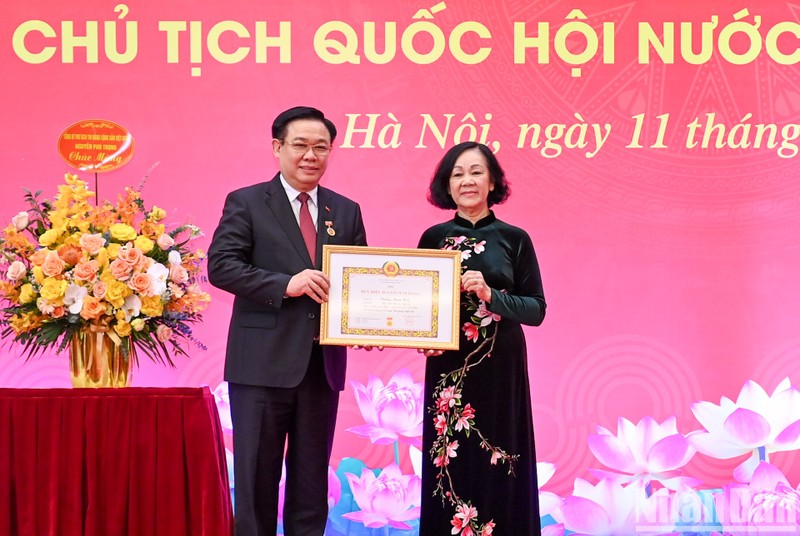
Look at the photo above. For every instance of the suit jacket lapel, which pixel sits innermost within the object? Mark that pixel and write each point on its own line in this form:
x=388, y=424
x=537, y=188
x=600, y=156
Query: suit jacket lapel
x=325, y=221
x=279, y=204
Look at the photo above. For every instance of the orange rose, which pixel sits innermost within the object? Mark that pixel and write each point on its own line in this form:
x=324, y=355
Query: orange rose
x=140, y=282
x=92, y=243
x=163, y=333
x=37, y=259
x=120, y=269
x=178, y=274
x=70, y=254
x=53, y=265
x=86, y=271
x=93, y=308
x=131, y=256
x=99, y=289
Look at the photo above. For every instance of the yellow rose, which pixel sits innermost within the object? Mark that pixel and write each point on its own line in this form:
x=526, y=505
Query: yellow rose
x=117, y=292
x=143, y=243
x=113, y=250
x=49, y=237
x=26, y=293
x=157, y=214
x=152, y=306
x=123, y=328
x=137, y=324
x=102, y=256
x=53, y=289
x=38, y=274
x=122, y=232
x=107, y=277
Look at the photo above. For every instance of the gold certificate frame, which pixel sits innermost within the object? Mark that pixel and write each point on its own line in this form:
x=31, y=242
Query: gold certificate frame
x=394, y=297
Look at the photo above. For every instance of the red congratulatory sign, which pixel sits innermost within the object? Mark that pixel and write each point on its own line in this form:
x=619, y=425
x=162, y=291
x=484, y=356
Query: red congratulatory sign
x=96, y=145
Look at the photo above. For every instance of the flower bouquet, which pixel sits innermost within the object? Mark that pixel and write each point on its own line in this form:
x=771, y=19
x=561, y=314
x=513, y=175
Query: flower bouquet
x=69, y=268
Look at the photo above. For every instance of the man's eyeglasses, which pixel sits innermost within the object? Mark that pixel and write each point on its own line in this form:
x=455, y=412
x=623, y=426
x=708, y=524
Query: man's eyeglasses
x=302, y=148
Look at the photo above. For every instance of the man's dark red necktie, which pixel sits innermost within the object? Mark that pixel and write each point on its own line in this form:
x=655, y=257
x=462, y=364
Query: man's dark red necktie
x=307, y=227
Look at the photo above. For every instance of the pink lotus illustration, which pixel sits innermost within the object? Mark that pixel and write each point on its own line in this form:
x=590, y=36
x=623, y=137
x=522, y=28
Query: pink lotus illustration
x=391, y=498
x=553, y=530
x=768, y=505
x=548, y=501
x=756, y=424
x=606, y=509
x=646, y=451
x=611, y=509
x=334, y=490
x=393, y=412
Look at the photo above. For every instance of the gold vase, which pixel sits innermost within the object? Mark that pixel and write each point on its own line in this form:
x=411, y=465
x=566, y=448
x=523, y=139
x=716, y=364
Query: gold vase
x=99, y=360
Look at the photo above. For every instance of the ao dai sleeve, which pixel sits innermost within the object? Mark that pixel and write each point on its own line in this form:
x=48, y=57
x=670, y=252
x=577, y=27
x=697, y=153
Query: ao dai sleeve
x=429, y=240
x=525, y=302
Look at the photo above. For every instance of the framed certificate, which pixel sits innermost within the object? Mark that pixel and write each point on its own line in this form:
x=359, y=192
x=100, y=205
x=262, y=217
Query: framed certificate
x=403, y=298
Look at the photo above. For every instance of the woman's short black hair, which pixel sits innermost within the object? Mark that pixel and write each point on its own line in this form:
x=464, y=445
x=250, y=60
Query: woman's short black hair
x=281, y=122
x=438, y=194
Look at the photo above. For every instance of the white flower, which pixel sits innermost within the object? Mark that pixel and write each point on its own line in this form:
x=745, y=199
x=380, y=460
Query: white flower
x=165, y=241
x=132, y=306
x=20, y=221
x=73, y=297
x=16, y=271
x=158, y=279
x=174, y=258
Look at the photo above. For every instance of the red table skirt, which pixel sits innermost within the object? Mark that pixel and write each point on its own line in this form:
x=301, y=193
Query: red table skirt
x=112, y=462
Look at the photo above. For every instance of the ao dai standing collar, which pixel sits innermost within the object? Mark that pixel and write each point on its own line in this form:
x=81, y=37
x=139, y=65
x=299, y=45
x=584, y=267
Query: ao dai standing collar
x=483, y=222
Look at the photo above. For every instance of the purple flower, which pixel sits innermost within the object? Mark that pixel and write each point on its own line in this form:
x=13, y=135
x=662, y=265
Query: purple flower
x=756, y=424
x=647, y=451
x=393, y=412
x=391, y=498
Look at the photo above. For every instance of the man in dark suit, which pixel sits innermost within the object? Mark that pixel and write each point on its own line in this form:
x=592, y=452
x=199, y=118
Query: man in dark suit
x=283, y=386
